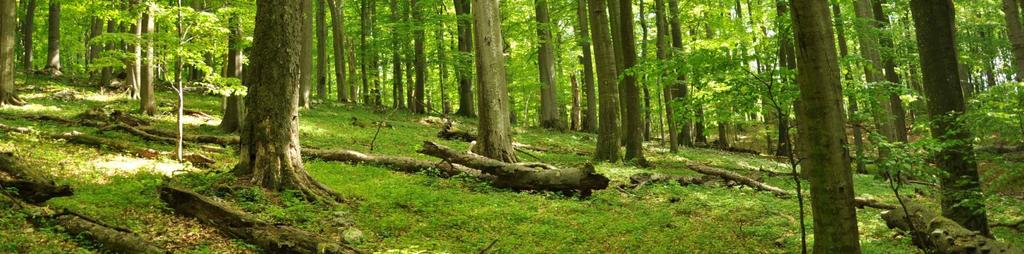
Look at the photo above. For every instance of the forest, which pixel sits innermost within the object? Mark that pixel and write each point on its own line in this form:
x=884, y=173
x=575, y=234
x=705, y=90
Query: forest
x=512, y=126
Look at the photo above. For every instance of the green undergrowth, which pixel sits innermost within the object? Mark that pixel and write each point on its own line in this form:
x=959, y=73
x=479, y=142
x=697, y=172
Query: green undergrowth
x=413, y=213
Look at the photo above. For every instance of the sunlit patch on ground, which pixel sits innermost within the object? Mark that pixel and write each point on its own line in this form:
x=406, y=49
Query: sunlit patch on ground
x=123, y=165
x=32, y=108
x=102, y=97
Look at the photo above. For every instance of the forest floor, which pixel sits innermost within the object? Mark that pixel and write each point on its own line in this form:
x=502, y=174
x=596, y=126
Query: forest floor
x=397, y=212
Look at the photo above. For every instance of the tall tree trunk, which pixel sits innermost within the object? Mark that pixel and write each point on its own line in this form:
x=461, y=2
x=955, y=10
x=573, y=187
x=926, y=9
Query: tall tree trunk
x=8, y=18
x=419, y=37
x=463, y=67
x=1016, y=34
x=28, y=28
x=663, y=42
x=93, y=50
x=235, y=103
x=787, y=59
x=494, y=134
x=832, y=199
x=107, y=74
x=321, y=50
x=633, y=120
x=364, y=54
x=53, y=40
x=306, y=55
x=643, y=81
x=680, y=86
x=270, y=150
x=575, y=113
x=549, y=117
x=604, y=56
x=723, y=135
x=962, y=198
x=869, y=46
x=899, y=113
x=396, y=59
x=589, y=120
x=134, y=61
x=147, y=102
x=854, y=107
x=338, y=29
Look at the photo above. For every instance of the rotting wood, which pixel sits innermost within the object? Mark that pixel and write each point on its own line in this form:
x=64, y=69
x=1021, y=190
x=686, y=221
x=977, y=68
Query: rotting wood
x=31, y=185
x=402, y=164
x=272, y=238
x=937, y=234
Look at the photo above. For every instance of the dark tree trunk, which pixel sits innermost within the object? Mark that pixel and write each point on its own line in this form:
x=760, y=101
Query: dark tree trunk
x=107, y=74
x=235, y=103
x=53, y=40
x=147, y=102
x=8, y=13
x=463, y=67
x=681, y=88
x=589, y=121
x=633, y=117
x=699, y=130
x=495, y=137
x=338, y=28
x=608, y=131
x=1016, y=34
x=28, y=28
x=270, y=150
x=962, y=198
x=787, y=59
x=832, y=198
x=398, y=94
x=549, y=117
x=364, y=54
x=420, y=58
x=93, y=49
x=321, y=50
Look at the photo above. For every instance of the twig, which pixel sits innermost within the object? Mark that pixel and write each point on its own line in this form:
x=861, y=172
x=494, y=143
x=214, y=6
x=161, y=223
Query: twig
x=373, y=142
x=489, y=246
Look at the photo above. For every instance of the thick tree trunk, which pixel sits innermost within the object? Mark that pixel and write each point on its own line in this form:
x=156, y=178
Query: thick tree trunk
x=272, y=238
x=549, y=117
x=633, y=120
x=419, y=37
x=8, y=13
x=53, y=40
x=520, y=176
x=832, y=199
x=1015, y=32
x=495, y=140
x=306, y=55
x=28, y=28
x=723, y=135
x=462, y=68
x=338, y=29
x=589, y=121
x=608, y=132
x=235, y=107
x=321, y=50
x=147, y=102
x=961, y=186
x=270, y=150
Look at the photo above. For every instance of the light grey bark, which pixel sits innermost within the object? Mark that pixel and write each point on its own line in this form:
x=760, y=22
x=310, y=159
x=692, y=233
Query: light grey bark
x=494, y=133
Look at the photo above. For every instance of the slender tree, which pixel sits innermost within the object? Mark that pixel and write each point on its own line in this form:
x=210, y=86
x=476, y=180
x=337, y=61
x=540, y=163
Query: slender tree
x=28, y=28
x=462, y=69
x=962, y=198
x=604, y=55
x=233, y=111
x=8, y=13
x=589, y=123
x=147, y=99
x=835, y=216
x=420, y=57
x=398, y=91
x=270, y=149
x=854, y=106
x=338, y=28
x=53, y=40
x=681, y=90
x=633, y=118
x=321, y=50
x=1015, y=32
x=306, y=55
x=662, y=41
x=494, y=135
x=549, y=116
x=869, y=46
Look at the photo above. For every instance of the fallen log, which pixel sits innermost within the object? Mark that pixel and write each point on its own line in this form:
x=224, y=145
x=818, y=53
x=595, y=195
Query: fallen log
x=272, y=238
x=732, y=176
x=1018, y=226
x=934, y=233
x=642, y=179
x=520, y=177
x=30, y=183
x=402, y=164
x=226, y=140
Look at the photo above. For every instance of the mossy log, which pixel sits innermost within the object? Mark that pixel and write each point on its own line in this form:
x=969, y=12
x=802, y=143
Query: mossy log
x=937, y=234
x=401, y=164
x=520, y=177
x=32, y=186
x=272, y=238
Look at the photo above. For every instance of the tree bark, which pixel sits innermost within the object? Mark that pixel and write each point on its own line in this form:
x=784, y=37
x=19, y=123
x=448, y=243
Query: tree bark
x=681, y=88
x=961, y=186
x=32, y=186
x=338, y=29
x=521, y=177
x=899, y=113
x=589, y=119
x=1015, y=32
x=633, y=117
x=321, y=50
x=364, y=54
x=495, y=137
x=462, y=69
x=53, y=40
x=604, y=56
x=235, y=107
x=787, y=59
x=832, y=199
x=873, y=70
x=147, y=102
x=270, y=150
x=28, y=28
x=854, y=107
x=549, y=117
x=8, y=13
x=306, y=55
x=575, y=111
x=398, y=91
x=133, y=63
x=419, y=37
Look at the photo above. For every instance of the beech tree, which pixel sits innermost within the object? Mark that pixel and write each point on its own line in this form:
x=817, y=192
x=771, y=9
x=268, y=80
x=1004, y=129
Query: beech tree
x=8, y=95
x=604, y=56
x=549, y=113
x=28, y=28
x=53, y=40
x=338, y=29
x=494, y=135
x=463, y=70
x=633, y=120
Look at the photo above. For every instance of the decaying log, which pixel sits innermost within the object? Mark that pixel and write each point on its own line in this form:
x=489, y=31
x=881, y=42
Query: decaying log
x=226, y=140
x=519, y=177
x=641, y=179
x=935, y=233
x=1018, y=226
x=402, y=164
x=127, y=147
x=272, y=238
x=732, y=176
x=32, y=186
